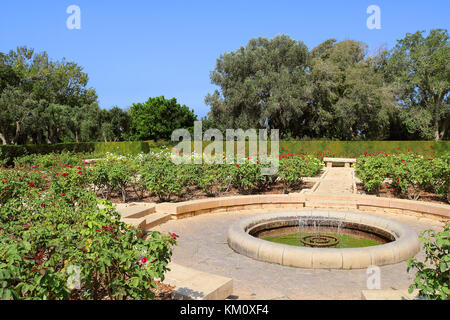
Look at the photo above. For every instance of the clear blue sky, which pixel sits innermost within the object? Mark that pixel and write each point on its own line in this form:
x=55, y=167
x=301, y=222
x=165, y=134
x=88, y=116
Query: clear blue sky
x=133, y=50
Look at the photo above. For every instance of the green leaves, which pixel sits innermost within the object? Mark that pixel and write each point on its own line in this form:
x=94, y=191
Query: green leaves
x=161, y=176
x=419, y=65
x=158, y=117
x=410, y=173
x=432, y=277
x=294, y=167
x=39, y=244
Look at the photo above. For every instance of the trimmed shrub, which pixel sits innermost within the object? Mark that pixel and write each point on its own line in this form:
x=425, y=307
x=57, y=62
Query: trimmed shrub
x=9, y=152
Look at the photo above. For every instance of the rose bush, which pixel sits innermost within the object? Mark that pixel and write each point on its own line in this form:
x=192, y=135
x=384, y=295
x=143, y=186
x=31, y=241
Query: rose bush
x=44, y=233
x=410, y=173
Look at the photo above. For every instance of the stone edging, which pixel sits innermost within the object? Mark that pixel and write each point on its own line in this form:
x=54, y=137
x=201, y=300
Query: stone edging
x=296, y=201
x=406, y=243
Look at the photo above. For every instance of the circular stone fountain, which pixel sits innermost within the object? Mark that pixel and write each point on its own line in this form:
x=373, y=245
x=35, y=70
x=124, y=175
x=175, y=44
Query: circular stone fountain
x=319, y=233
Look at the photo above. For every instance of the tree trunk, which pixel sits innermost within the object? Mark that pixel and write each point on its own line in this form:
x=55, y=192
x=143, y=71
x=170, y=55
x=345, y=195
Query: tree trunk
x=436, y=123
x=3, y=138
x=16, y=137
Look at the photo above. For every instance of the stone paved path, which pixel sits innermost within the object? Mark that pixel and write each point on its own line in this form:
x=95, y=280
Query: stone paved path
x=203, y=246
x=337, y=181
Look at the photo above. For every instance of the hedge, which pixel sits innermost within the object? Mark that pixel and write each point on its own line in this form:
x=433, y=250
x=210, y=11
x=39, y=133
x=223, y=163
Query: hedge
x=350, y=149
x=9, y=152
x=330, y=148
x=354, y=148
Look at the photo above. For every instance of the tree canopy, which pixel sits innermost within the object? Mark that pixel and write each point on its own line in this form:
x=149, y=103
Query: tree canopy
x=336, y=90
x=158, y=117
x=333, y=91
x=419, y=66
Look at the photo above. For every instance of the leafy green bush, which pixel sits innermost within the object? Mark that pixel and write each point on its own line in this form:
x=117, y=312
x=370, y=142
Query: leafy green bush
x=440, y=168
x=115, y=173
x=161, y=176
x=410, y=173
x=247, y=177
x=15, y=184
x=45, y=233
x=294, y=167
x=372, y=171
x=11, y=152
x=45, y=161
x=433, y=274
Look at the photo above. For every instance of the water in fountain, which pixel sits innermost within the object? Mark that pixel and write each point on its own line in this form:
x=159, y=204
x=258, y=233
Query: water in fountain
x=318, y=238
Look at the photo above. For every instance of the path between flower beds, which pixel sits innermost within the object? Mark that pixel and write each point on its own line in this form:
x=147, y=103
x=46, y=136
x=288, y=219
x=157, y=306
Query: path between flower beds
x=337, y=181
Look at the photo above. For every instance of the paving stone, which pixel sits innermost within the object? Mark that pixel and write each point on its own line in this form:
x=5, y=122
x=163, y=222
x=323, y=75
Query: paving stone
x=202, y=238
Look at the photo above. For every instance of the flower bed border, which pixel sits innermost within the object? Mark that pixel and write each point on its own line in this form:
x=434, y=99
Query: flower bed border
x=298, y=201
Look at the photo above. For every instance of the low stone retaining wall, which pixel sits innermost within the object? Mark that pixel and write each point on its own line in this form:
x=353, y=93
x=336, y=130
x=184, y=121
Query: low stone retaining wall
x=296, y=201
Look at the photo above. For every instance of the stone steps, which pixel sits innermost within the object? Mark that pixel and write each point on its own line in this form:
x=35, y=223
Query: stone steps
x=135, y=210
x=156, y=219
x=136, y=222
x=191, y=284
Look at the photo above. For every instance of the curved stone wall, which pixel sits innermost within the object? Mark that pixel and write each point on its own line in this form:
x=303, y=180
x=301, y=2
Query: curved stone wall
x=405, y=245
x=295, y=201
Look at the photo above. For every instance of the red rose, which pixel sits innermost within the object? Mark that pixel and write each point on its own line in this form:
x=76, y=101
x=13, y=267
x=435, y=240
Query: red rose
x=43, y=205
x=63, y=194
x=80, y=172
x=144, y=260
x=64, y=174
x=431, y=159
x=174, y=236
x=5, y=181
x=237, y=166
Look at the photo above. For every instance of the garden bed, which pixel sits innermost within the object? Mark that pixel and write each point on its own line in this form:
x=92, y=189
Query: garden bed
x=389, y=191
x=197, y=194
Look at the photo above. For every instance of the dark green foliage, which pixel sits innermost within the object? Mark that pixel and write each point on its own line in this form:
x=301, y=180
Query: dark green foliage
x=336, y=90
x=432, y=279
x=50, y=223
x=419, y=66
x=9, y=152
x=355, y=148
x=158, y=117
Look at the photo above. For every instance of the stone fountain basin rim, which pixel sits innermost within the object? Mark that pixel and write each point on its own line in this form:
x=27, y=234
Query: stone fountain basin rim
x=405, y=245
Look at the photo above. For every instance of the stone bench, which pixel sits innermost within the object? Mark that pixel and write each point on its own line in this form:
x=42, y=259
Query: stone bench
x=347, y=161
